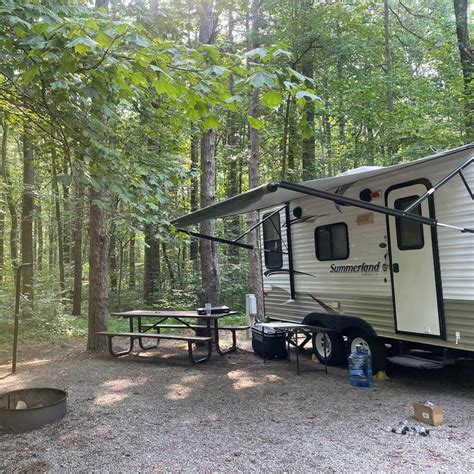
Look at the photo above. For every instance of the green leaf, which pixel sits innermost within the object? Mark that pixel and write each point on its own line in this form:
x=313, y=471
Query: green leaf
x=255, y=123
x=272, y=98
x=300, y=76
x=282, y=52
x=82, y=44
x=257, y=52
x=210, y=122
x=260, y=79
x=215, y=71
x=104, y=40
x=163, y=86
x=30, y=74
x=301, y=96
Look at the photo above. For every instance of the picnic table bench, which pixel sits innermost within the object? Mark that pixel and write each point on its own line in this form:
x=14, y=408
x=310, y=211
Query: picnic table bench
x=197, y=327
x=174, y=337
x=211, y=331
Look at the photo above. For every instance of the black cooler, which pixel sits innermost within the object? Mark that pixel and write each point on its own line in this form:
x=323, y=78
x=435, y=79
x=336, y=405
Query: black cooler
x=268, y=343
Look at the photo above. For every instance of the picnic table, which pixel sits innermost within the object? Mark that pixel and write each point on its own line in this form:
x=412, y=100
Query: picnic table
x=292, y=331
x=209, y=330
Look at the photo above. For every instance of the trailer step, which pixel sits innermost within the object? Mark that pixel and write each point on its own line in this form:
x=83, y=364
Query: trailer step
x=417, y=362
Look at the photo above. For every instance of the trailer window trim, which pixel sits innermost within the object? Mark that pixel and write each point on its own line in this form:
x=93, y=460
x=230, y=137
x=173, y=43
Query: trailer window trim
x=333, y=255
x=273, y=254
x=400, y=224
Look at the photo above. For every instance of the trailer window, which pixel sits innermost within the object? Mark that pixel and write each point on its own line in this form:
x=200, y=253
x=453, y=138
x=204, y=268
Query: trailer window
x=332, y=242
x=409, y=233
x=272, y=241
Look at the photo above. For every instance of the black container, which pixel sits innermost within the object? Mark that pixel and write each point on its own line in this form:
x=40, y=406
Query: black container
x=269, y=344
x=31, y=408
x=214, y=310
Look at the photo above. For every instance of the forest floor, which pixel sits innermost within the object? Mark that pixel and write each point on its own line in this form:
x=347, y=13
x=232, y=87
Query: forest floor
x=235, y=413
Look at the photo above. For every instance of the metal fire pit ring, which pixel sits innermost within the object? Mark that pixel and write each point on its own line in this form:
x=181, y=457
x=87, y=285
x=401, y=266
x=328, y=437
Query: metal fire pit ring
x=31, y=408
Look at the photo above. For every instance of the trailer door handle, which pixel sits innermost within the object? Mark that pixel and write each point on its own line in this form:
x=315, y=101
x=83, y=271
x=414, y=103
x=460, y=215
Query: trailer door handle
x=396, y=268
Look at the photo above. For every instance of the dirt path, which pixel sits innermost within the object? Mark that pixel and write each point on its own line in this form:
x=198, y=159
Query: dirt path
x=144, y=414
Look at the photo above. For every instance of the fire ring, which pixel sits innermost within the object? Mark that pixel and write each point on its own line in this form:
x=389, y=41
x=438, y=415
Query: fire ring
x=31, y=408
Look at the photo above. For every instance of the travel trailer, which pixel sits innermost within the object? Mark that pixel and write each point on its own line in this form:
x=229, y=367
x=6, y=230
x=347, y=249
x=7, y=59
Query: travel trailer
x=384, y=256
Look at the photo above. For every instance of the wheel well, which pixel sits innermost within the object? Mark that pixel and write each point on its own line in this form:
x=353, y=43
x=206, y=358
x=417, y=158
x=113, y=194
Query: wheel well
x=343, y=324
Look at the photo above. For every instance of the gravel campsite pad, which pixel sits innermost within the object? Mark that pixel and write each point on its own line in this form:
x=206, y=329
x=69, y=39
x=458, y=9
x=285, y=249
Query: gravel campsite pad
x=235, y=413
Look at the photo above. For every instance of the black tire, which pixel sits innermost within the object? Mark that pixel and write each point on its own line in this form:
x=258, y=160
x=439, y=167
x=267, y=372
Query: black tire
x=376, y=349
x=335, y=351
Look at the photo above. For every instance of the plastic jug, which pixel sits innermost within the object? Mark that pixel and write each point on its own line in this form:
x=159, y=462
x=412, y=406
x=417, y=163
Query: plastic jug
x=360, y=368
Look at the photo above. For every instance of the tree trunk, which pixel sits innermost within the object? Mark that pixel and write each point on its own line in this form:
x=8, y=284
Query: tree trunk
x=27, y=215
x=113, y=258
x=389, y=73
x=132, y=280
x=210, y=278
x=194, y=246
x=232, y=225
x=255, y=270
x=308, y=155
x=2, y=243
x=78, y=223
x=39, y=236
x=59, y=223
x=169, y=266
x=151, y=267
x=65, y=216
x=9, y=196
x=467, y=65
x=98, y=288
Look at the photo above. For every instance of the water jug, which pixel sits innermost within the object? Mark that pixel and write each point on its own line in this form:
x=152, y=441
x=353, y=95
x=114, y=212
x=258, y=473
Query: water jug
x=360, y=367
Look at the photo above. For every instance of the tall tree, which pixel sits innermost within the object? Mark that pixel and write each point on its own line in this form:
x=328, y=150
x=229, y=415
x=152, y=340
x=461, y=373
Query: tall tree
x=78, y=222
x=131, y=263
x=308, y=155
x=255, y=271
x=151, y=267
x=467, y=64
x=59, y=223
x=210, y=277
x=27, y=215
x=8, y=193
x=98, y=254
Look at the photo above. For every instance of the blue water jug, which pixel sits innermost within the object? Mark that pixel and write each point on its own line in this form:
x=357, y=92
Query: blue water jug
x=360, y=368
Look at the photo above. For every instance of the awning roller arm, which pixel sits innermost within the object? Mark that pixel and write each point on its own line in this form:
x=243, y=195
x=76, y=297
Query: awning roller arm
x=442, y=182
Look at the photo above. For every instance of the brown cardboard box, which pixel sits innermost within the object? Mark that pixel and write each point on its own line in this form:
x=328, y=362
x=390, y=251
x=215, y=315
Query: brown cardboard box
x=427, y=413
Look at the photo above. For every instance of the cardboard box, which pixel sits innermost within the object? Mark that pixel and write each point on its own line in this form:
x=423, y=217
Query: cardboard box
x=428, y=413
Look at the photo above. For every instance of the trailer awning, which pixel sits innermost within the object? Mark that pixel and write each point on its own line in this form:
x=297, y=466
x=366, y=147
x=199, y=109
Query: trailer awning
x=274, y=194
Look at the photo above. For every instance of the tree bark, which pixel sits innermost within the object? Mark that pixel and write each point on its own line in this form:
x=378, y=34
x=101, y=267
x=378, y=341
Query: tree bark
x=98, y=287
x=27, y=216
x=467, y=64
x=254, y=258
x=132, y=280
x=389, y=73
x=59, y=223
x=9, y=196
x=194, y=195
x=308, y=154
x=210, y=277
x=77, y=225
x=151, y=267
x=39, y=235
x=2, y=243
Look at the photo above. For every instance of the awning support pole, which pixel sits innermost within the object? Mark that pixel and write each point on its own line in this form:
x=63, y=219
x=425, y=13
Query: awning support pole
x=441, y=183
x=344, y=200
x=257, y=224
x=214, y=239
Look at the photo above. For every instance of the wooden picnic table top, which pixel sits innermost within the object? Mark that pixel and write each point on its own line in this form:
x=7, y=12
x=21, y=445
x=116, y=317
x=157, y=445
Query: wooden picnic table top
x=170, y=314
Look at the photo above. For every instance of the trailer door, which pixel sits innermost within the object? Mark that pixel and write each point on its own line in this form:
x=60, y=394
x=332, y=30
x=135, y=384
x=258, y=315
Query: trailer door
x=416, y=282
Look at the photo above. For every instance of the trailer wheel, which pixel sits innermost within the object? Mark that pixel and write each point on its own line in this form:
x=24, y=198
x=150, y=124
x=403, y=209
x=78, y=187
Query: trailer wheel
x=375, y=348
x=335, y=350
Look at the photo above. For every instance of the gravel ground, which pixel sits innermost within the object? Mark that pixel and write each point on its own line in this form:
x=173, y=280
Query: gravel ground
x=235, y=413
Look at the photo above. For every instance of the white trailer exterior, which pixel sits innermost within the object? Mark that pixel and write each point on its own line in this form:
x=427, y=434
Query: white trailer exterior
x=375, y=278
